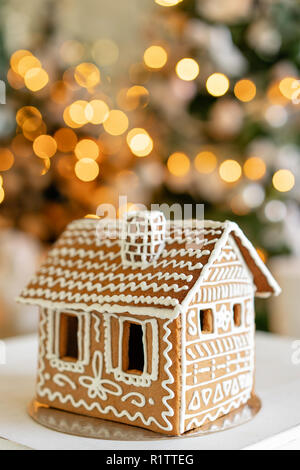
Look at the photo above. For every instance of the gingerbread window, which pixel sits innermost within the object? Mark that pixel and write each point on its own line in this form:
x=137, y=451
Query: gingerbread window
x=68, y=337
x=237, y=315
x=206, y=321
x=69, y=340
x=132, y=349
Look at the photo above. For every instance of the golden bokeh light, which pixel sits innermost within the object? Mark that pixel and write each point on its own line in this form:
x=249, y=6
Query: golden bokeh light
x=17, y=57
x=87, y=148
x=187, y=69
x=44, y=146
x=87, y=75
x=27, y=112
x=255, y=168
x=7, y=159
x=2, y=195
x=97, y=111
x=105, y=52
x=36, y=79
x=117, y=122
x=283, y=180
x=217, y=84
x=167, y=3
x=66, y=140
x=138, y=96
x=1, y=181
x=26, y=63
x=68, y=120
x=245, y=90
x=178, y=164
x=33, y=128
x=288, y=86
x=155, y=57
x=77, y=112
x=139, y=142
x=87, y=169
x=230, y=171
x=205, y=162
x=274, y=94
x=15, y=80
x=133, y=97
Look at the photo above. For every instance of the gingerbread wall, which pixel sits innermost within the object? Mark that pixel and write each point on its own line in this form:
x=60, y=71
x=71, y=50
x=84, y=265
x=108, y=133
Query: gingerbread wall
x=96, y=385
x=219, y=365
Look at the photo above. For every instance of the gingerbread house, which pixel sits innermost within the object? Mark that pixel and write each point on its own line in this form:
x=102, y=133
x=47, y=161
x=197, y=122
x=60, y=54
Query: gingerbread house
x=147, y=322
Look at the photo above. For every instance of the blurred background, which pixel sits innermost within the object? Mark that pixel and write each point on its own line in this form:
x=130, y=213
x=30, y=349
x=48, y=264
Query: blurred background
x=191, y=101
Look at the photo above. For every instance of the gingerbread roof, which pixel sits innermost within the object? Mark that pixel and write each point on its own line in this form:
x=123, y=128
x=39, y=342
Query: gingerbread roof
x=84, y=270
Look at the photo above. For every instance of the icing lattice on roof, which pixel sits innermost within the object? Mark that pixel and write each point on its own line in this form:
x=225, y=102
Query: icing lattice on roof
x=85, y=269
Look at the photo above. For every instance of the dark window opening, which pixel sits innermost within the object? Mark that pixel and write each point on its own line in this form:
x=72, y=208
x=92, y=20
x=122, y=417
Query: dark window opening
x=206, y=321
x=135, y=359
x=237, y=314
x=68, y=344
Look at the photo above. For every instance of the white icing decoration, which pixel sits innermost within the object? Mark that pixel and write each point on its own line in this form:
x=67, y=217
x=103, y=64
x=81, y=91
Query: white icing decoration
x=96, y=327
x=147, y=377
x=53, y=332
x=141, y=397
x=61, y=380
x=192, y=330
x=219, y=278
x=143, y=238
x=195, y=402
x=97, y=386
x=68, y=398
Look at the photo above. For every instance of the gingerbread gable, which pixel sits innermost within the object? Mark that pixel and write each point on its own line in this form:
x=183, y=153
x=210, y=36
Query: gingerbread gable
x=85, y=269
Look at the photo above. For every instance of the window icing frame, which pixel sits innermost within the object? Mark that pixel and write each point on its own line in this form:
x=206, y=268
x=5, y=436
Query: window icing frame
x=146, y=377
x=53, y=340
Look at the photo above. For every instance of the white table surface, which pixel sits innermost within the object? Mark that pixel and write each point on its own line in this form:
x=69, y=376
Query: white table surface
x=277, y=426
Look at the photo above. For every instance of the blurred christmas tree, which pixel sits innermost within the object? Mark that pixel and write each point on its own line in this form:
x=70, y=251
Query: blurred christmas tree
x=209, y=114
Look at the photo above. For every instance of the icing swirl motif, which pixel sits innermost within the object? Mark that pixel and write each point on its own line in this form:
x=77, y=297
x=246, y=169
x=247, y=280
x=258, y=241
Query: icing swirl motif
x=97, y=386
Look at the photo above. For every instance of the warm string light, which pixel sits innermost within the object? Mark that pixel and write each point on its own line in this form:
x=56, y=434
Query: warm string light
x=187, y=69
x=283, y=180
x=116, y=123
x=87, y=169
x=217, y=84
x=178, y=164
x=29, y=70
x=230, y=171
x=255, y=168
x=155, y=57
x=87, y=148
x=139, y=142
x=7, y=159
x=168, y=3
x=205, y=162
x=87, y=75
x=245, y=90
x=45, y=146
